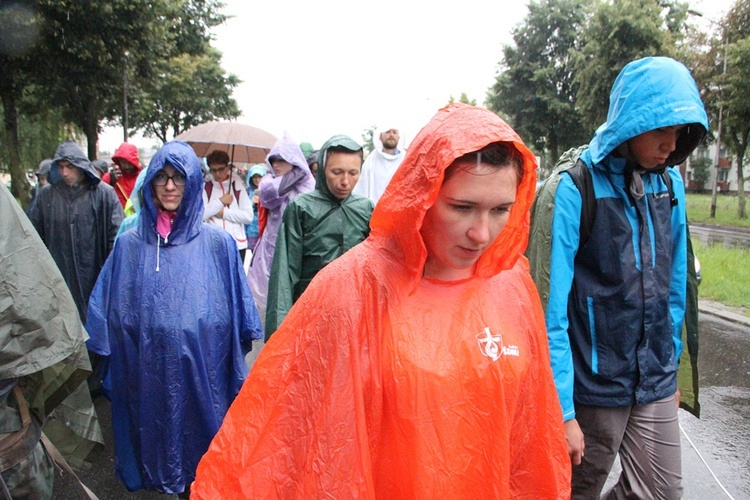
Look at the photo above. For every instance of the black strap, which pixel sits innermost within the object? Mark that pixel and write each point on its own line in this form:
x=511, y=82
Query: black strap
x=581, y=177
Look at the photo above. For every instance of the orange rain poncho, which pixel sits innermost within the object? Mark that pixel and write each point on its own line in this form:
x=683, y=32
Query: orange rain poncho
x=383, y=384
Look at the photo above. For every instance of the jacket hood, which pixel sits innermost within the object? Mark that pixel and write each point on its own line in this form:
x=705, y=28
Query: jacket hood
x=258, y=169
x=650, y=93
x=100, y=165
x=136, y=197
x=128, y=152
x=44, y=166
x=70, y=151
x=339, y=140
x=189, y=216
x=287, y=149
x=454, y=131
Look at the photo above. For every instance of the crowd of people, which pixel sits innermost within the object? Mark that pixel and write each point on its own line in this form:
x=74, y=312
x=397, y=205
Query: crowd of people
x=412, y=349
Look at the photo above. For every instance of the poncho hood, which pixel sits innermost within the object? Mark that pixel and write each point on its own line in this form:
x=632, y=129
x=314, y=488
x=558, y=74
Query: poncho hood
x=189, y=216
x=339, y=140
x=454, y=131
x=290, y=152
x=129, y=153
x=70, y=151
x=650, y=93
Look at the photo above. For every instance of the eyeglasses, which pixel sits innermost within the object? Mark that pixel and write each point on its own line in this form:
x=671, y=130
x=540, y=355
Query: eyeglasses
x=161, y=179
x=217, y=170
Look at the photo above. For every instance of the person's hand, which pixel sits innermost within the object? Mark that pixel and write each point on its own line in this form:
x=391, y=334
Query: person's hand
x=677, y=396
x=255, y=199
x=290, y=179
x=226, y=200
x=220, y=214
x=574, y=437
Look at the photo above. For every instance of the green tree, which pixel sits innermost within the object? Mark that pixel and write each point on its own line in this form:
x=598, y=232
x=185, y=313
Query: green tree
x=464, y=99
x=701, y=170
x=190, y=89
x=368, y=136
x=84, y=49
x=20, y=27
x=735, y=91
x=736, y=102
x=619, y=32
x=535, y=86
x=188, y=85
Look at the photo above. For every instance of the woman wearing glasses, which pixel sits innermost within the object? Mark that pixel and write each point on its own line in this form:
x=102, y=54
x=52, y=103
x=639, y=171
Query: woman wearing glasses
x=173, y=312
x=226, y=200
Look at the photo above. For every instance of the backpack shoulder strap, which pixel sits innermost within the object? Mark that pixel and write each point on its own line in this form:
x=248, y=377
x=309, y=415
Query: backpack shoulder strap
x=581, y=177
x=236, y=192
x=668, y=181
x=209, y=187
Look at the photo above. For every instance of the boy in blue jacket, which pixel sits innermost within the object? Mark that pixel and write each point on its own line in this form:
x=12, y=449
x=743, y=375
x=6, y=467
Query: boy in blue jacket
x=616, y=305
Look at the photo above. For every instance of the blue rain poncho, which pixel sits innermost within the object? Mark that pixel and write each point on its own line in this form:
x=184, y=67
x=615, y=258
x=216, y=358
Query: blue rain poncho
x=176, y=318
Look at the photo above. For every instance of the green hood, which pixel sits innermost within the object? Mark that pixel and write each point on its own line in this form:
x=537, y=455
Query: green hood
x=339, y=140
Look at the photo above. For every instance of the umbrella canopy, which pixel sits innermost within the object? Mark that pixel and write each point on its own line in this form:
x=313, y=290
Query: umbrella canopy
x=243, y=143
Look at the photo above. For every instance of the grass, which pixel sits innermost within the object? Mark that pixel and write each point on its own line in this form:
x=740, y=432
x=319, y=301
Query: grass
x=726, y=274
x=699, y=210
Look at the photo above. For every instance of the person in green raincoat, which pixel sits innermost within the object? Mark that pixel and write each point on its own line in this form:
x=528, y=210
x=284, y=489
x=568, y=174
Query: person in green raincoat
x=318, y=227
x=43, y=364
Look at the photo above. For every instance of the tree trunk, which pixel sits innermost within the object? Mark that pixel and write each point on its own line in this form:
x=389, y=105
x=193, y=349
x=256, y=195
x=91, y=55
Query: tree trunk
x=741, y=211
x=91, y=129
x=20, y=187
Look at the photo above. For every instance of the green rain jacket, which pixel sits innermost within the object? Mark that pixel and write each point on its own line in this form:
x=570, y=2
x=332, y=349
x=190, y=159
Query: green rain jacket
x=316, y=229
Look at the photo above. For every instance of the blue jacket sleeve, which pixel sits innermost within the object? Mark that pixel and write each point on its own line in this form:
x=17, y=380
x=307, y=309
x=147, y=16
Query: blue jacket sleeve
x=566, y=221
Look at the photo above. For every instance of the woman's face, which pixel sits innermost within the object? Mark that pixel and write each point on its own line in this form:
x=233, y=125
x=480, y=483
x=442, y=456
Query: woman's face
x=471, y=209
x=281, y=167
x=168, y=187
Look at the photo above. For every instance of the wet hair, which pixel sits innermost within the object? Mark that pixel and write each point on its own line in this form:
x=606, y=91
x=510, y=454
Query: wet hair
x=497, y=154
x=217, y=157
x=342, y=149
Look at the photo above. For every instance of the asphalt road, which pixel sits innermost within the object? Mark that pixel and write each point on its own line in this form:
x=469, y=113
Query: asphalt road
x=721, y=436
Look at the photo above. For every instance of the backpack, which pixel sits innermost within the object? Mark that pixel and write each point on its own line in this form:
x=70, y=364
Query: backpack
x=540, y=249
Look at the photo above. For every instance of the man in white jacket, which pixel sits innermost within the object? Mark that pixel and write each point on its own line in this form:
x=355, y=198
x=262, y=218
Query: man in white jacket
x=381, y=164
x=225, y=199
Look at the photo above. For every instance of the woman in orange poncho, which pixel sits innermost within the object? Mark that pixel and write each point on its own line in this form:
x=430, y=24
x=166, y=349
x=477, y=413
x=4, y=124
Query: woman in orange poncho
x=416, y=365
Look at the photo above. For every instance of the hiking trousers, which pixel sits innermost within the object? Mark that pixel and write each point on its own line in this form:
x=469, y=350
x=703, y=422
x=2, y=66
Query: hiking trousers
x=647, y=437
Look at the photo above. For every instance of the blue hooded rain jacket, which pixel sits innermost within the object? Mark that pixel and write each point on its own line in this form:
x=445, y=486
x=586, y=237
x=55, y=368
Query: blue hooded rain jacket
x=176, y=318
x=615, y=311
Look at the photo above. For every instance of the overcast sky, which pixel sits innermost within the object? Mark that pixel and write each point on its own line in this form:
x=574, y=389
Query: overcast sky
x=315, y=69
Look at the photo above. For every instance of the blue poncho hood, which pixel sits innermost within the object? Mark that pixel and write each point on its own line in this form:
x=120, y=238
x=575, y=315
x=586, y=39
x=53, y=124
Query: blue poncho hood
x=189, y=216
x=650, y=93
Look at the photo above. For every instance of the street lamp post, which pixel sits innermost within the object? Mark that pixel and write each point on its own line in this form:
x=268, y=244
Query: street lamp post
x=125, y=97
x=715, y=190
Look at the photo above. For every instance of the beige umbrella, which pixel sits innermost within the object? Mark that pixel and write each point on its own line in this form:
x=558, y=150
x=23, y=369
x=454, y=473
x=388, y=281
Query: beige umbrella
x=243, y=143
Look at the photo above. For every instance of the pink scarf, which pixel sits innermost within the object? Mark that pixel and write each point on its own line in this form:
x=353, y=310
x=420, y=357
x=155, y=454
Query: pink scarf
x=164, y=222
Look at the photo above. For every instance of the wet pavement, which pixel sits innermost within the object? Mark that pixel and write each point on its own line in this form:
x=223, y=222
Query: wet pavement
x=730, y=237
